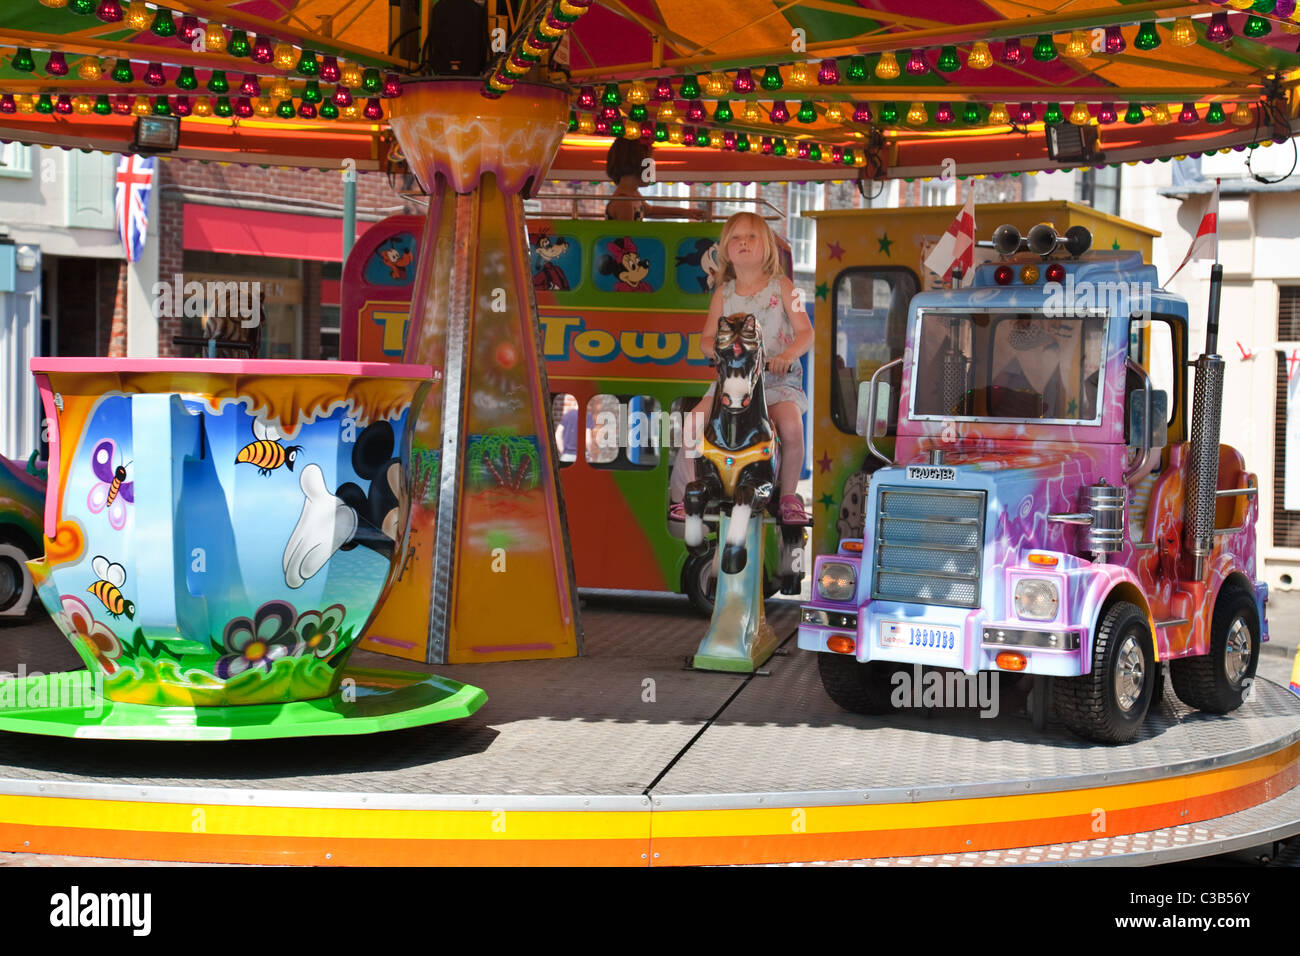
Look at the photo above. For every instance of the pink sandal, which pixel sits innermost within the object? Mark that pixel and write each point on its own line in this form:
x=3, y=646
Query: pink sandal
x=792, y=510
x=677, y=511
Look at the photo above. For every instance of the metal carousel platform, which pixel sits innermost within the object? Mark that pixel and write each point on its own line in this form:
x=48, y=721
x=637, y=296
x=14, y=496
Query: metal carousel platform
x=624, y=757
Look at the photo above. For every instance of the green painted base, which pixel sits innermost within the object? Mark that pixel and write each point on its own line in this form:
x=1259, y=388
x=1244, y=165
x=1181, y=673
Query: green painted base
x=739, y=639
x=368, y=701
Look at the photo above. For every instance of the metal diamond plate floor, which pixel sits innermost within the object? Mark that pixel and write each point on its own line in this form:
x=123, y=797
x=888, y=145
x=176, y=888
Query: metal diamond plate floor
x=624, y=719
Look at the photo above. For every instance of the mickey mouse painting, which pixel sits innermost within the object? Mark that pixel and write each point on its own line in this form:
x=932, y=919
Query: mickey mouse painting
x=623, y=261
x=350, y=516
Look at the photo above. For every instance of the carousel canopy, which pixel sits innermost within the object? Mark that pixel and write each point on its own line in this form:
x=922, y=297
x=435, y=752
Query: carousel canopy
x=742, y=89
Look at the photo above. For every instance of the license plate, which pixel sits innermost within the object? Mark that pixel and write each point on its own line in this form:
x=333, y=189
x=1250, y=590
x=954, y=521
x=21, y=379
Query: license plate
x=931, y=473
x=928, y=637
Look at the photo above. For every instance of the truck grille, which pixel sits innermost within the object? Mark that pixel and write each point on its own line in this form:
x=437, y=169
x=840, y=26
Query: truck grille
x=929, y=546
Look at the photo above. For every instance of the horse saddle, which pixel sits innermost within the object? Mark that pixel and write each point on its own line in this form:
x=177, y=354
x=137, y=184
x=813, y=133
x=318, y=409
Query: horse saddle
x=730, y=463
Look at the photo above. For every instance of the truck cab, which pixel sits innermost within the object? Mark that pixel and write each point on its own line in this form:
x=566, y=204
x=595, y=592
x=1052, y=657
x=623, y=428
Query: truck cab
x=1034, y=517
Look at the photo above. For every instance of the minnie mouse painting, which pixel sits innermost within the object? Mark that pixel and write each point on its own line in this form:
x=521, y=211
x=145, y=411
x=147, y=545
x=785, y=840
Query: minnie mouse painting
x=623, y=261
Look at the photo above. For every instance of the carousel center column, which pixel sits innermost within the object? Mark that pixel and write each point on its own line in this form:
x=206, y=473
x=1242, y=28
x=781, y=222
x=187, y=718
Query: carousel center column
x=496, y=575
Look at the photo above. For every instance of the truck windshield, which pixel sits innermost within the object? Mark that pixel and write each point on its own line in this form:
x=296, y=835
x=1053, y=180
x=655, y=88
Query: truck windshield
x=1008, y=365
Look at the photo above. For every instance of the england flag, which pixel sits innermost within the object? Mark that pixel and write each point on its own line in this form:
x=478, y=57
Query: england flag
x=134, y=181
x=957, y=246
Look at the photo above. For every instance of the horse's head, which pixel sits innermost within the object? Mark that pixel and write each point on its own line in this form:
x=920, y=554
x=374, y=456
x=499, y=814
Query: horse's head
x=739, y=351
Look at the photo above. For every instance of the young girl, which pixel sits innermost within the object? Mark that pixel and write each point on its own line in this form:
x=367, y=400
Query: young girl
x=752, y=282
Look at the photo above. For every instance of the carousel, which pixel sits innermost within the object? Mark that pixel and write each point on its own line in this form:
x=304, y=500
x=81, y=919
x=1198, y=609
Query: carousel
x=242, y=556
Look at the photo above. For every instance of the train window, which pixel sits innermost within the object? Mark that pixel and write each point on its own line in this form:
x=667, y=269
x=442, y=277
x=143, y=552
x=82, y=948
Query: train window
x=556, y=263
x=564, y=416
x=624, y=432
x=869, y=326
x=627, y=264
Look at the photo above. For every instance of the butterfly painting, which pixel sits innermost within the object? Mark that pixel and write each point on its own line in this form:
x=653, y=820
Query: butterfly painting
x=111, y=492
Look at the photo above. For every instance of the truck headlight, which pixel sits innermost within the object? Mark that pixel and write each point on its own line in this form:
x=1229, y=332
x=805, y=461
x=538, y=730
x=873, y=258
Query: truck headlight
x=1036, y=599
x=837, y=581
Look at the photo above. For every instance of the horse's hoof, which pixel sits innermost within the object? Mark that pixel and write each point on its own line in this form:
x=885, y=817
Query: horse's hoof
x=733, y=559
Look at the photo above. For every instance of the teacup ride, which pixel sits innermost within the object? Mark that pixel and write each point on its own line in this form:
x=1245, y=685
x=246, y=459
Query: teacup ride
x=736, y=473
x=218, y=537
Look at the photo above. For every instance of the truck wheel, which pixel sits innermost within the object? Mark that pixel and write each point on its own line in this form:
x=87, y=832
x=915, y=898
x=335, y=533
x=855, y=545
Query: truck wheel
x=699, y=582
x=1109, y=704
x=15, y=584
x=862, y=688
x=1220, y=681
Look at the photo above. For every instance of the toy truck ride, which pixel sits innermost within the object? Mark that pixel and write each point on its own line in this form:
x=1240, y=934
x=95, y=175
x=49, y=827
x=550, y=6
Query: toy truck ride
x=1046, y=511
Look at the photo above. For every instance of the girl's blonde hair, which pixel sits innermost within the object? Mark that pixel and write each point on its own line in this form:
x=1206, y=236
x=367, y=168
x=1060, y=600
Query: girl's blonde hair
x=771, y=261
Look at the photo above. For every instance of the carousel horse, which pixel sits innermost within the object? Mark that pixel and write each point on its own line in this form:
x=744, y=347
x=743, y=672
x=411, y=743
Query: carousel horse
x=737, y=447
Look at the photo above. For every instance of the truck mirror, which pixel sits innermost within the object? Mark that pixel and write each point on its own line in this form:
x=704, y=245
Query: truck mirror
x=1155, y=430
x=864, y=423
x=864, y=408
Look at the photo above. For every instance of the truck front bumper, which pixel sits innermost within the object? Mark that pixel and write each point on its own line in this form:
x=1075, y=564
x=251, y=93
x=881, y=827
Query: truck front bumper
x=943, y=637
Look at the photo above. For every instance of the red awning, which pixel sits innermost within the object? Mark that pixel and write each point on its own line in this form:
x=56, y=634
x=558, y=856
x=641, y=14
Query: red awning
x=248, y=232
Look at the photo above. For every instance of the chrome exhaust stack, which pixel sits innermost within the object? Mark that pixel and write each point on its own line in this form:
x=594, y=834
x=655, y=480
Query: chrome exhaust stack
x=1203, y=452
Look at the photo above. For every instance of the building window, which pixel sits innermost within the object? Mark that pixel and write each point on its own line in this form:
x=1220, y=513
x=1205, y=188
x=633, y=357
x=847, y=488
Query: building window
x=1099, y=188
x=1286, y=524
x=939, y=192
x=804, y=197
x=16, y=160
x=734, y=198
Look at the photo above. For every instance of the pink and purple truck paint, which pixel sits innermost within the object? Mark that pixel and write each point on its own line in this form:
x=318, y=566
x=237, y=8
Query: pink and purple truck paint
x=992, y=475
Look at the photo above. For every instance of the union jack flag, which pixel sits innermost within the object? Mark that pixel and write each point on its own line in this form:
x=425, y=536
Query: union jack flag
x=134, y=181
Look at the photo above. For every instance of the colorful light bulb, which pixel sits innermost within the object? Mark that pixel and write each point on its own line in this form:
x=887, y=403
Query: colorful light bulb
x=780, y=113
x=311, y=92
x=329, y=69
x=1218, y=31
x=249, y=86
x=63, y=105
x=23, y=61
x=801, y=74
x=887, y=66
x=222, y=107
x=281, y=90
x=343, y=97
x=140, y=106
x=970, y=113
x=695, y=111
x=327, y=109
x=690, y=89
x=807, y=113
x=979, y=57
x=154, y=75
x=638, y=113
x=88, y=68
x=917, y=64
x=944, y=114
x=1256, y=27
x=56, y=64
x=285, y=109
x=948, y=61
x=862, y=113
x=715, y=85
x=307, y=110
x=110, y=11
x=834, y=113
x=1026, y=114
x=1115, y=42
x=161, y=107
x=181, y=107
x=722, y=112
x=1159, y=114
x=1077, y=47
x=1147, y=37
x=45, y=104
x=857, y=70
x=917, y=115
x=190, y=28
x=1183, y=32
x=7, y=104
x=1106, y=114
x=186, y=80
x=743, y=83
x=829, y=73
x=1045, y=49
x=998, y=116
x=122, y=72
x=1053, y=115
x=373, y=110
x=239, y=45
x=263, y=50
x=1013, y=54
x=103, y=107
x=1080, y=116
x=122, y=104
x=163, y=24
x=1188, y=114
x=802, y=150
x=1214, y=115
x=1242, y=115
x=202, y=106
x=214, y=38
x=217, y=83
x=137, y=16
x=1133, y=115
x=889, y=113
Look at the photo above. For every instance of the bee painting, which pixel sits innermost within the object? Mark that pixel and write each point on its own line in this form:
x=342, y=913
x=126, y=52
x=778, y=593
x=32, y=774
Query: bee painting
x=266, y=452
x=111, y=491
x=108, y=587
